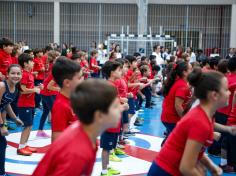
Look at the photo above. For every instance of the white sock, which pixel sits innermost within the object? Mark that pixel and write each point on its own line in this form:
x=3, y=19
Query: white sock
x=223, y=161
x=104, y=171
x=22, y=146
x=132, y=120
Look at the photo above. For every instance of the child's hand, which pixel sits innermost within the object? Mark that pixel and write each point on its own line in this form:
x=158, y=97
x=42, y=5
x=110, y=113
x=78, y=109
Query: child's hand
x=41, y=86
x=4, y=131
x=217, y=136
x=37, y=90
x=216, y=171
x=143, y=97
x=19, y=122
x=130, y=95
x=124, y=107
x=232, y=130
x=43, y=69
x=141, y=85
x=123, y=100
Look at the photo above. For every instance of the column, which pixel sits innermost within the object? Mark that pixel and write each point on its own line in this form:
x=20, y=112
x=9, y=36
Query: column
x=233, y=27
x=56, y=32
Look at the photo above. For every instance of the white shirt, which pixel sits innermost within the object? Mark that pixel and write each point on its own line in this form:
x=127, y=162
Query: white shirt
x=102, y=56
x=159, y=59
x=192, y=58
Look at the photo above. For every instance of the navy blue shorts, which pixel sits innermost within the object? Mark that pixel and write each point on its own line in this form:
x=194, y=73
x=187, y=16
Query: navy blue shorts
x=125, y=117
x=157, y=170
x=26, y=115
x=108, y=140
x=131, y=103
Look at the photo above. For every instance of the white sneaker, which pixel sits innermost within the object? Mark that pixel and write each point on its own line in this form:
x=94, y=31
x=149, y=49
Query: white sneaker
x=134, y=130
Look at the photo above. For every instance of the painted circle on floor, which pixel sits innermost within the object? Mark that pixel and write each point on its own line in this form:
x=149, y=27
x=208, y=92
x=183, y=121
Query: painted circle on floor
x=141, y=150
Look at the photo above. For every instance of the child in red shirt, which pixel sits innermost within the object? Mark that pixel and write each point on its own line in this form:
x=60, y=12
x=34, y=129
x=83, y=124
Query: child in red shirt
x=84, y=64
x=39, y=71
x=112, y=70
x=26, y=103
x=79, y=156
x=6, y=47
x=177, y=94
x=67, y=74
x=183, y=152
x=94, y=64
x=48, y=93
x=15, y=54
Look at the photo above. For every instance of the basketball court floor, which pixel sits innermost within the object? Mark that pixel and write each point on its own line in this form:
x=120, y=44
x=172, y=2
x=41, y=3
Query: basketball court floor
x=140, y=152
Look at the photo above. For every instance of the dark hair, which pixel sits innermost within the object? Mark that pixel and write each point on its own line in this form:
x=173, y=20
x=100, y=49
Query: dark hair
x=203, y=82
x=24, y=58
x=131, y=59
x=64, y=68
x=152, y=57
x=93, y=53
x=155, y=47
x=121, y=61
x=11, y=66
x=75, y=56
x=136, y=54
x=14, y=51
x=48, y=48
x=116, y=47
x=5, y=42
x=156, y=68
x=110, y=66
x=213, y=62
x=223, y=66
x=91, y=96
x=143, y=58
x=143, y=69
x=74, y=50
x=36, y=51
x=28, y=51
x=232, y=64
x=177, y=70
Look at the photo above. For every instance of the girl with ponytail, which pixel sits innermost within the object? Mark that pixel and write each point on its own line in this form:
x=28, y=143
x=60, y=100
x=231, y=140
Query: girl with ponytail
x=184, y=150
x=177, y=93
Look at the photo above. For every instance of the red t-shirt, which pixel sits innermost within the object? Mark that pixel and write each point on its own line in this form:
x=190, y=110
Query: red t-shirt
x=45, y=90
x=122, y=87
x=132, y=79
x=117, y=129
x=62, y=114
x=27, y=100
x=38, y=66
x=179, y=89
x=5, y=61
x=195, y=125
x=231, y=77
x=14, y=60
x=84, y=64
x=71, y=154
x=94, y=62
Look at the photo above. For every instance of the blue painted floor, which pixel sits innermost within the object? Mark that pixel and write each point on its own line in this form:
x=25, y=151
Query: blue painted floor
x=152, y=124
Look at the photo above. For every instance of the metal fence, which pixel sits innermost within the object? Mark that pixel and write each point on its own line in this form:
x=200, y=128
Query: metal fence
x=32, y=22
x=199, y=26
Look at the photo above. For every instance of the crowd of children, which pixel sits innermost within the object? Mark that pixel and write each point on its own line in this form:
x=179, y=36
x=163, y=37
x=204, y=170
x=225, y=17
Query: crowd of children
x=86, y=95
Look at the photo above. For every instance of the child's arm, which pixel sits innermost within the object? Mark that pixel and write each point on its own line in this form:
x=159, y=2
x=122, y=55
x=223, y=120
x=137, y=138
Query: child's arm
x=188, y=162
x=11, y=113
x=223, y=128
x=29, y=91
x=178, y=106
x=52, y=87
x=3, y=130
x=95, y=66
x=214, y=169
x=141, y=94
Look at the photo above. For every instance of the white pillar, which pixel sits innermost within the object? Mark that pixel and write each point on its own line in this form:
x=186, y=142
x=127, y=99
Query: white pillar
x=233, y=27
x=56, y=32
x=142, y=22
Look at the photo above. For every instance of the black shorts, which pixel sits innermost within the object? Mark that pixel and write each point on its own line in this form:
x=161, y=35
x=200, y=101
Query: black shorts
x=108, y=140
x=125, y=117
x=26, y=115
x=131, y=103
